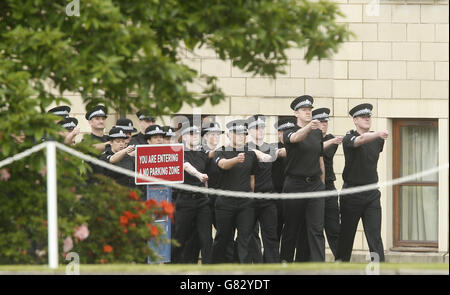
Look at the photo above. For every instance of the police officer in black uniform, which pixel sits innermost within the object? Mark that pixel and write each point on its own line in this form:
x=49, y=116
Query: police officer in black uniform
x=72, y=129
x=145, y=121
x=154, y=134
x=120, y=155
x=63, y=113
x=332, y=220
x=304, y=173
x=265, y=209
x=210, y=138
x=211, y=133
x=279, y=167
x=127, y=126
x=96, y=118
x=362, y=148
x=192, y=211
x=238, y=167
x=171, y=136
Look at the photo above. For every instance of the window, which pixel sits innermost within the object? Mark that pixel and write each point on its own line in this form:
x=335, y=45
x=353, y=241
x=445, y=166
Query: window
x=416, y=203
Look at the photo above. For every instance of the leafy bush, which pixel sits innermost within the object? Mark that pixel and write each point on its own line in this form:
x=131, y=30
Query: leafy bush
x=101, y=220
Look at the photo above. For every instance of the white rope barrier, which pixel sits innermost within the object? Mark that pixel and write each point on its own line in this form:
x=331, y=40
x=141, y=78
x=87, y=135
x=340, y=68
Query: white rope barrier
x=23, y=154
x=196, y=189
x=219, y=192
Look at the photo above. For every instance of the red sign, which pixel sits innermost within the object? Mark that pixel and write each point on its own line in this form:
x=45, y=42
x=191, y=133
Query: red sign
x=162, y=161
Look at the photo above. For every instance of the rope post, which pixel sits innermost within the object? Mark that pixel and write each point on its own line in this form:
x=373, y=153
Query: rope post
x=52, y=217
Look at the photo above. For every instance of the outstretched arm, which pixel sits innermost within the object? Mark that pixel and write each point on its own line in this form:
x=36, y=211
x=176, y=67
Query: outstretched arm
x=370, y=136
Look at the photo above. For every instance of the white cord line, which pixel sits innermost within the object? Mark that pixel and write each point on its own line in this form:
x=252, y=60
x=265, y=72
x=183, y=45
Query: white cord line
x=23, y=154
x=191, y=188
x=320, y=194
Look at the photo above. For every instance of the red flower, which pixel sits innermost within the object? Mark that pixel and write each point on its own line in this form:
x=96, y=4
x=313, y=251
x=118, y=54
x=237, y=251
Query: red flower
x=107, y=249
x=128, y=214
x=125, y=231
x=123, y=221
x=103, y=261
x=150, y=204
x=153, y=230
x=133, y=224
x=167, y=207
x=133, y=195
x=111, y=208
x=99, y=219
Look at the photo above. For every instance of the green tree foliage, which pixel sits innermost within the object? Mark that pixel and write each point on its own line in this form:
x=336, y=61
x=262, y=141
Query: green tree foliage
x=126, y=55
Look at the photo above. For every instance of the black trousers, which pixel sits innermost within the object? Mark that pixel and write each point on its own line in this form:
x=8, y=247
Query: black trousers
x=306, y=214
x=254, y=246
x=266, y=216
x=365, y=206
x=332, y=222
x=231, y=214
x=193, y=244
x=280, y=218
x=192, y=250
x=192, y=215
x=332, y=226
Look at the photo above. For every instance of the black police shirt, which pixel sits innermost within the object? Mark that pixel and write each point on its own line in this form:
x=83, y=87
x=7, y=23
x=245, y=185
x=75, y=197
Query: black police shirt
x=360, y=162
x=95, y=168
x=213, y=171
x=103, y=138
x=127, y=162
x=138, y=139
x=278, y=171
x=303, y=157
x=328, y=155
x=199, y=160
x=263, y=176
x=238, y=177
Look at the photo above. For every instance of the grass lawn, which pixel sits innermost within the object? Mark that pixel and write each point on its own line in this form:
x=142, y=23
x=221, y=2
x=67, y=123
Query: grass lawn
x=294, y=268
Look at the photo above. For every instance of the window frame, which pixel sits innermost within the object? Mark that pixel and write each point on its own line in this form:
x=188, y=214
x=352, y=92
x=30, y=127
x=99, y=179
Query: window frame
x=397, y=124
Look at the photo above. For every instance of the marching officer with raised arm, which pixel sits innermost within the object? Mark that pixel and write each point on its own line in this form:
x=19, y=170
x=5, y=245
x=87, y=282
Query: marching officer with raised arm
x=63, y=112
x=211, y=133
x=120, y=155
x=192, y=211
x=362, y=149
x=304, y=173
x=265, y=209
x=238, y=167
x=145, y=121
x=278, y=169
x=127, y=126
x=96, y=118
x=72, y=129
x=330, y=145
